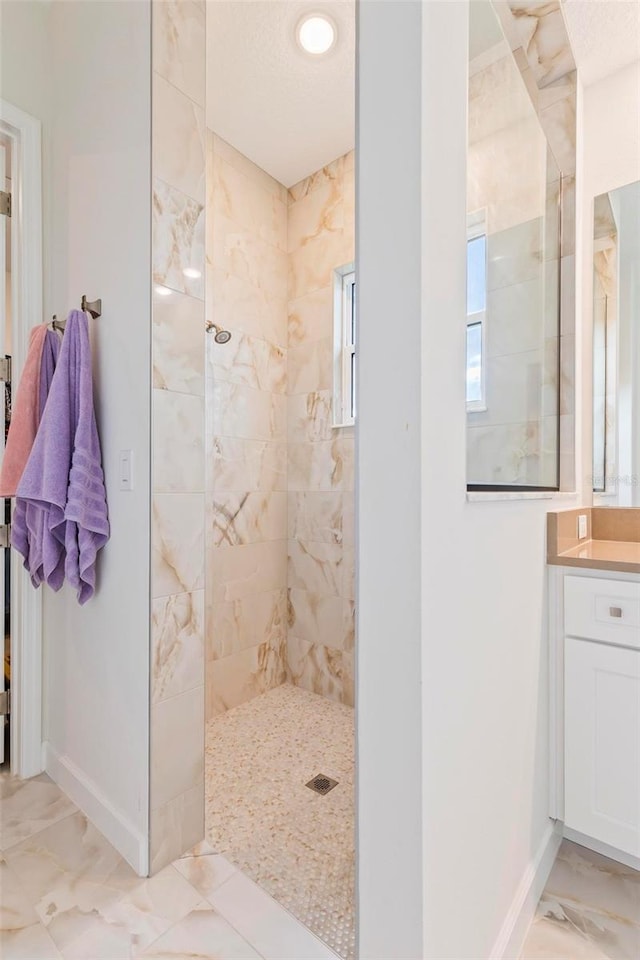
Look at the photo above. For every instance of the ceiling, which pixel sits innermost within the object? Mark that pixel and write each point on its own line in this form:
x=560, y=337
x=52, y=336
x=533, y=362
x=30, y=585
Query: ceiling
x=604, y=34
x=289, y=112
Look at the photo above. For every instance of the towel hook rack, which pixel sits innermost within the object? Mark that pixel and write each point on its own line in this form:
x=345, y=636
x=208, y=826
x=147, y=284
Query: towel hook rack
x=94, y=307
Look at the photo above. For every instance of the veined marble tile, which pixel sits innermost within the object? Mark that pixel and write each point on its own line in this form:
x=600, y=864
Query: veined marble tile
x=177, y=560
x=235, y=625
x=309, y=416
x=29, y=806
x=205, y=873
x=179, y=45
x=330, y=174
x=238, y=304
x=178, y=139
x=311, y=266
x=234, y=573
x=236, y=250
x=310, y=367
x=178, y=344
x=71, y=874
x=514, y=388
x=315, y=567
x=177, y=643
x=516, y=321
x=348, y=518
x=348, y=573
x=316, y=516
x=176, y=826
x=567, y=375
x=568, y=216
x=203, y=934
x=591, y=880
x=21, y=933
x=348, y=679
x=238, y=518
x=178, y=442
x=504, y=453
x=245, y=200
x=581, y=931
x=559, y=124
x=241, y=465
x=248, y=361
x=493, y=175
x=244, y=413
x=315, y=667
x=320, y=211
x=240, y=677
x=514, y=255
x=129, y=925
x=177, y=746
x=178, y=240
x=326, y=465
x=311, y=317
x=544, y=39
x=322, y=620
x=229, y=154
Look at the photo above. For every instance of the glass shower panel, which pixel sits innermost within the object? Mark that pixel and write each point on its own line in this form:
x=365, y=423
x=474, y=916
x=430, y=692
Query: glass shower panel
x=513, y=260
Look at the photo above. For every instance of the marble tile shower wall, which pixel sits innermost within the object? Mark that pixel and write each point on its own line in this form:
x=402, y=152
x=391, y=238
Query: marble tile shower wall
x=321, y=237
x=246, y=518
x=178, y=461
x=279, y=477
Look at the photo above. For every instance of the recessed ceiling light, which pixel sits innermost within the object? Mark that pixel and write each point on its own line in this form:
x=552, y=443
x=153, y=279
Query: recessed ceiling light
x=163, y=291
x=192, y=273
x=316, y=34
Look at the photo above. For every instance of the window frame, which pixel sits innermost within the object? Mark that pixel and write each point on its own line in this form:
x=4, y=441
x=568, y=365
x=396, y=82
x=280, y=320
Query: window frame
x=344, y=345
x=476, y=228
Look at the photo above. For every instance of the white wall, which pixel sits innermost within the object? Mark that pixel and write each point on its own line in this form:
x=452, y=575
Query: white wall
x=451, y=593
x=97, y=656
x=25, y=81
x=388, y=482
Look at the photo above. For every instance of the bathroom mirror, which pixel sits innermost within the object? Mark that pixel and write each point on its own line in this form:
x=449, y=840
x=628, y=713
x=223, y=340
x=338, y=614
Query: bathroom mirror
x=516, y=199
x=616, y=346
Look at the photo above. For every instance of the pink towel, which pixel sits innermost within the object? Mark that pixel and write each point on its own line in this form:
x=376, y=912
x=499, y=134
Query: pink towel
x=25, y=416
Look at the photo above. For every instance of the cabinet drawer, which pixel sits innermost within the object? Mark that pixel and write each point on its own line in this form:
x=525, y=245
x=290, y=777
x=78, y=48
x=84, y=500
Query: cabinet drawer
x=606, y=610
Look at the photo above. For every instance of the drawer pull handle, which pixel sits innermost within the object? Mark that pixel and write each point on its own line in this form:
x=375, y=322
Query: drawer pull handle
x=615, y=612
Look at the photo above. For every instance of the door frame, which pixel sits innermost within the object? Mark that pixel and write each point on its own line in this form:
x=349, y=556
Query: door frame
x=25, y=135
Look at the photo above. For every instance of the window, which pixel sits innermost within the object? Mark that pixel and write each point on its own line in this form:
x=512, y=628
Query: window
x=344, y=346
x=476, y=311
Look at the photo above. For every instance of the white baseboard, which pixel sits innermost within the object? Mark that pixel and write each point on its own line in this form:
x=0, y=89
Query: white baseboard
x=510, y=940
x=111, y=822
x=605, y=849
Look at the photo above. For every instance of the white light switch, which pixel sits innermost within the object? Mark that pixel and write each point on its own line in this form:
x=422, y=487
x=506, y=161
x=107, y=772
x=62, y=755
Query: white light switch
x=582, y=526
x=126, y=470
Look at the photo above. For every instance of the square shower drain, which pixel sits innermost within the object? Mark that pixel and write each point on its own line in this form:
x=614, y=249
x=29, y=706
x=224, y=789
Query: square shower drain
x=322, y=784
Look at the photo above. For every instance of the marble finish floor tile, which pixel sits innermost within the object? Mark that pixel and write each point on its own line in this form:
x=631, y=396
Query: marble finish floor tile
x=297, y=845
x=28, y=806
x=66, y=894
x=590, y=910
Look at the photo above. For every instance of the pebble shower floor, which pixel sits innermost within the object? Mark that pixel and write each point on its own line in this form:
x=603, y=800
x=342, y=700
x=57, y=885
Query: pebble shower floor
x=297, y=844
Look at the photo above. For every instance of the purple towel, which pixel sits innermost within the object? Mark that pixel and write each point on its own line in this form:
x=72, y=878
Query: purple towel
x=27, y=524
x=64, y=472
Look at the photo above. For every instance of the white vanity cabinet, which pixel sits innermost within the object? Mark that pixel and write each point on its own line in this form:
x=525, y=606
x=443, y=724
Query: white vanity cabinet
x=598, y=685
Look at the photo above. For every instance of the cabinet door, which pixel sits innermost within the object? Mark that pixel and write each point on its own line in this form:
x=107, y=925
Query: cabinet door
x=602, y=742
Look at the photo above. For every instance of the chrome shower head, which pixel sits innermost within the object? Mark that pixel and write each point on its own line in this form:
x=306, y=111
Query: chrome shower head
x=222, y=336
